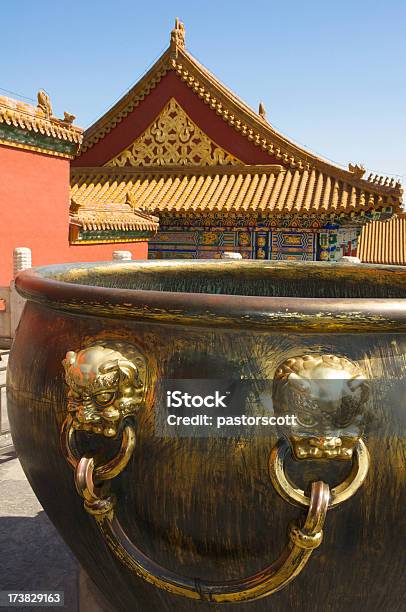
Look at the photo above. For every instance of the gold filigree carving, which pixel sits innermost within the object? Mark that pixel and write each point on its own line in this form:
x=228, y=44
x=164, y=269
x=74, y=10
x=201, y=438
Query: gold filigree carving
x=173, y=139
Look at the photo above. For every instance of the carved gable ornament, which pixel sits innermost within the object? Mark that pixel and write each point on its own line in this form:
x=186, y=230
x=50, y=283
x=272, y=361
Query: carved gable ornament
x=173, y=139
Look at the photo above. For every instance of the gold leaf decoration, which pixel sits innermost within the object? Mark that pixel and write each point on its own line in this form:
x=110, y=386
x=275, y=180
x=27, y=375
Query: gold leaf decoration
x=173, y=139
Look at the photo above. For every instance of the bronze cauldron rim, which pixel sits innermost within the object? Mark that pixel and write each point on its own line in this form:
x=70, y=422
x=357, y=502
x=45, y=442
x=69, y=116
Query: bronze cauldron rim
x=59, y=287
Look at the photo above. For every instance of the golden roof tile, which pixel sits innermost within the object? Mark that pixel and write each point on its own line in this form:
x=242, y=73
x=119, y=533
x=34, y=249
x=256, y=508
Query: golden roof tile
x=262, y=189
x=383, y=242
x=40, y=121
x=240, y=117
x=100, y=215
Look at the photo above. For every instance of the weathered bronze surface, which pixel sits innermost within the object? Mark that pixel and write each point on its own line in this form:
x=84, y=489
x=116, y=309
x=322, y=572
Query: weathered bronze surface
x=205, y=508
x=282, y=296
x=105, y=387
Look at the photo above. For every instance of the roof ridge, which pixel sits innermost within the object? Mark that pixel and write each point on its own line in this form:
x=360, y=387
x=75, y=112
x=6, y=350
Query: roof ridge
x=38, y=118
x=128, y=101
x=179, y=169
x=234, y=111
x=310, y=159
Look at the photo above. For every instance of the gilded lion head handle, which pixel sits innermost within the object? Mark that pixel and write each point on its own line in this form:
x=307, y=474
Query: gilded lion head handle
x=103, y=389
x=328, y=396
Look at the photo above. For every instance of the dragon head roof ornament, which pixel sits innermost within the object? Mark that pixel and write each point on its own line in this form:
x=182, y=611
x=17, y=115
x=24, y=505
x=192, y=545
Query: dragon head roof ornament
x=178, y=35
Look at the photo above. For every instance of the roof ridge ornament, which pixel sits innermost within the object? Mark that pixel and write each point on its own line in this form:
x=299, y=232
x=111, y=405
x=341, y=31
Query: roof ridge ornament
x=143, y=211
x=262, y=110
x=44, y=104
x=178, y=35
x=74, y=207
x=131, y=201
x=386, y=181
x=68, y=118
x=357, y=170
x=44, y=108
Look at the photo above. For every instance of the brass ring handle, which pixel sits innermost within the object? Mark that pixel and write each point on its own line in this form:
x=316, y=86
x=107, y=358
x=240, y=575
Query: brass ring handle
x=106, y=388
x=107, y=470
x=302, y=541
x=292, y=494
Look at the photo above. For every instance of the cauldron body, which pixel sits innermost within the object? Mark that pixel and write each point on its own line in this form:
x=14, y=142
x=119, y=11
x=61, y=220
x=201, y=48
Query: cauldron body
x=205, y=507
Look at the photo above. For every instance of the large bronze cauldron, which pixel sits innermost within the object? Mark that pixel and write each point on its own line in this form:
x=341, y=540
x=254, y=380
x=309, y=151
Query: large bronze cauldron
x=188, y=523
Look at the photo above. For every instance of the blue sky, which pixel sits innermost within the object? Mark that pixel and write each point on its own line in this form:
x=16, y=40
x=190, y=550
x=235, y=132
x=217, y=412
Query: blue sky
x=332, y=75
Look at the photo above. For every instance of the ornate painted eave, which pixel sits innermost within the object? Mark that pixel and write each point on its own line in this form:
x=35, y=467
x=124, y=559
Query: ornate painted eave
x=35, y=128
x=268, y=190
x=238, y=115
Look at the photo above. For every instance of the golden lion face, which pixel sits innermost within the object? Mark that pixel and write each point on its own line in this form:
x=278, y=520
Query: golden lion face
x=327, y=394
x=104, y=388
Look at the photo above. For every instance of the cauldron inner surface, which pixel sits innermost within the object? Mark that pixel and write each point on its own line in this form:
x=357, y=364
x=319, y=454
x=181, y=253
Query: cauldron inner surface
x=249, y=278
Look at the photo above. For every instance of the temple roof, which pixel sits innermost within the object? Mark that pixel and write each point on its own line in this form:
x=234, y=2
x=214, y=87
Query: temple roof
x=35, y=128
x=383, y=242
x=269, y=190
x=104, y=216
x=330, y=181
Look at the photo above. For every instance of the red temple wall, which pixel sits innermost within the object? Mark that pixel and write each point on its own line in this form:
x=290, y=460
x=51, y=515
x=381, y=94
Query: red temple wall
x=144, y=114
x=34, y=200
